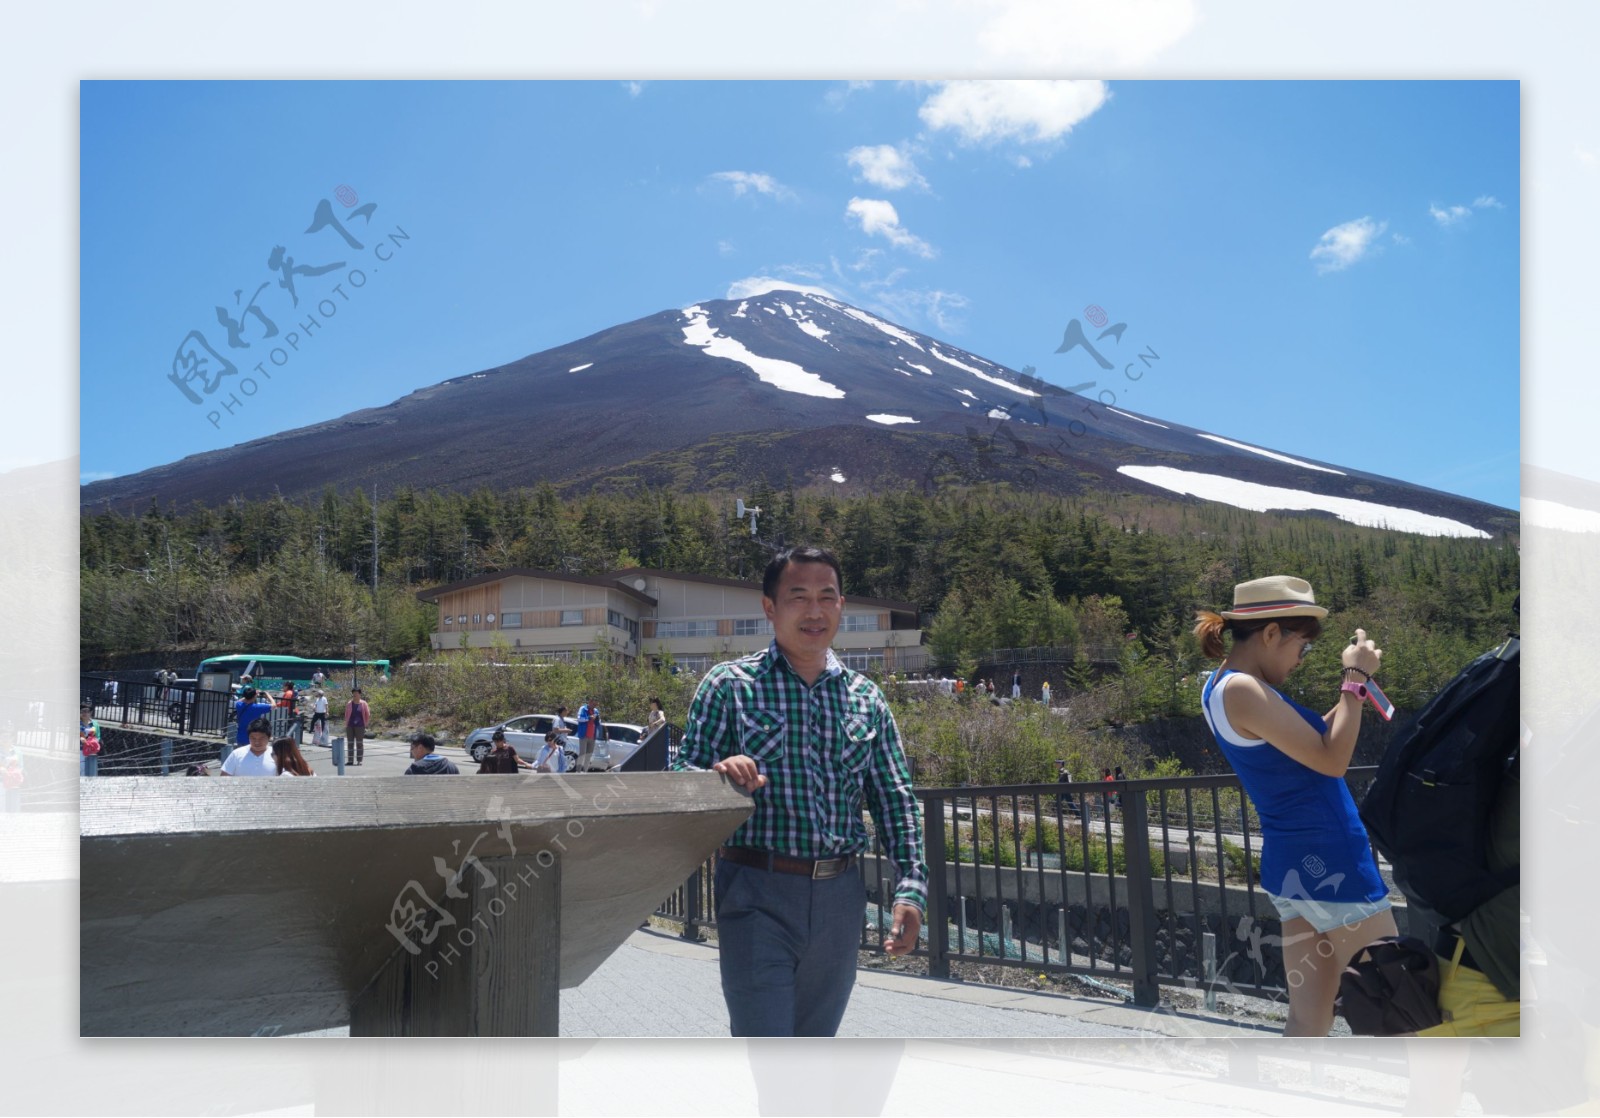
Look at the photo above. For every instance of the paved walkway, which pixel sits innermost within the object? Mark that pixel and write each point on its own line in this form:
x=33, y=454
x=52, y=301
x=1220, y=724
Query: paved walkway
x=657, y=985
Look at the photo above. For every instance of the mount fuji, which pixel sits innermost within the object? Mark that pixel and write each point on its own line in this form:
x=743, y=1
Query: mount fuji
x=793, y=385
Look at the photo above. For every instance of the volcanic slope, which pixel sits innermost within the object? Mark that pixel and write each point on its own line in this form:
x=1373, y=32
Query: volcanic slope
x=793, y=386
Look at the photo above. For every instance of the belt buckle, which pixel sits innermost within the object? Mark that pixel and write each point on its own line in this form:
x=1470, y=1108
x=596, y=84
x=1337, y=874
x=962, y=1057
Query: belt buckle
x=836, y=866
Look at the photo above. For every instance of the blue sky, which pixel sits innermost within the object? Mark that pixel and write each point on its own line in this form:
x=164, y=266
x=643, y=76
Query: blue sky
x=1325, y=268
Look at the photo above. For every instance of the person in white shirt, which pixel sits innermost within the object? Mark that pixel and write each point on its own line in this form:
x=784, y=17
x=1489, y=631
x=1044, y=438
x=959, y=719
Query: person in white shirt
x=319, y=715
x=553, y=757
x=253, y=759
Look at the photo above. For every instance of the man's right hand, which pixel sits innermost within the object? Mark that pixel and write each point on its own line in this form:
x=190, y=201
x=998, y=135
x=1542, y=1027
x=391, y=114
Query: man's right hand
x=741, y=769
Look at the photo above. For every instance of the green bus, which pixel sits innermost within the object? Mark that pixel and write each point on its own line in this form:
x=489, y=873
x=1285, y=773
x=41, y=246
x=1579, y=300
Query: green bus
x=300, y=669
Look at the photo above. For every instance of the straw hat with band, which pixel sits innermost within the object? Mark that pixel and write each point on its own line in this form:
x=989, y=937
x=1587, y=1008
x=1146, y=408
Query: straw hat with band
x=1264, y=599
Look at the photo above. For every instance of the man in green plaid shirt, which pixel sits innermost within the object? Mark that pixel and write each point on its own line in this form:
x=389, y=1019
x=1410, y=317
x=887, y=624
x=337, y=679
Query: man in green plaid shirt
x=813, y=743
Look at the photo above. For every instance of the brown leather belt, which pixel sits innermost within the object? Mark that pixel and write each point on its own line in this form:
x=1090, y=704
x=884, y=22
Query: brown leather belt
x=818, y=870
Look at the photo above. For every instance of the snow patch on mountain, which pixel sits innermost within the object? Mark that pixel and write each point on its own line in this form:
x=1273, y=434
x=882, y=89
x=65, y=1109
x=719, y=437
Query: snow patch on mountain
x=980, y=374
x=785, y=375
x=1139, y=418
x=891, y=420
x=1263, y=498
x=921, y=368
x=967, y=392
x=836, y=476
x=581, y=368
x=876, y=323
x=1270, y=454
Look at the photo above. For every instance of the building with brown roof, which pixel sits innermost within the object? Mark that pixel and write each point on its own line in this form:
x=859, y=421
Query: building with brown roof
x=693, y=620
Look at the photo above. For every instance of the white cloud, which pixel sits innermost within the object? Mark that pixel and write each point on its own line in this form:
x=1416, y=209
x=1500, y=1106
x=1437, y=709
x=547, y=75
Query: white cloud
x=1344, y=244
x=1024, y=162
x=836, y=97
x=886, y=166
x=1400, y=238
x=1449, y=215
x=879, y=219
x=1025, y=111
x=751, y=286
x=633, y=88
x=942, y=308
x=745, y=181
x=726, y=248
x=1085, y=34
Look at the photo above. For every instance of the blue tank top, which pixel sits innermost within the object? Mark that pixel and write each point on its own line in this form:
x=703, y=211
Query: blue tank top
x=1313, y=844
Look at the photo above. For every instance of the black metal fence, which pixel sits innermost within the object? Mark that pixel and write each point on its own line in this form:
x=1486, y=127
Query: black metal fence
x=180, y=708
x=1144, y=882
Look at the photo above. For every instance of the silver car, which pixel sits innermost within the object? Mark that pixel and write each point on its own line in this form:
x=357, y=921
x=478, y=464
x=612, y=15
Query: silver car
x=525, y=733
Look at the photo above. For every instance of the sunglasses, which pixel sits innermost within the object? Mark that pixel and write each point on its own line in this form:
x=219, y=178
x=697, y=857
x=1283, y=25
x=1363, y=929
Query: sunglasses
x=1305, y=649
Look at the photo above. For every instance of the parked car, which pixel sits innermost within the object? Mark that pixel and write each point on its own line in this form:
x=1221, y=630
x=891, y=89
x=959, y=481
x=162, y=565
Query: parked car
x=525, y=733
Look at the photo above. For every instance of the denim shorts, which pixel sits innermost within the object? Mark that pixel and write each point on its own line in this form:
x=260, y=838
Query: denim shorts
x=1326, y=916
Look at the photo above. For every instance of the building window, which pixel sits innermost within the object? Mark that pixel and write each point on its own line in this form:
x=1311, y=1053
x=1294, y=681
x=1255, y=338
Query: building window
x=633, y=630
x=752, y=627
x=572, y=617
x=862, y=661
x=686, y=629
x=615, y=618
x=511, y=621
x=699, y=665
x=859, y=623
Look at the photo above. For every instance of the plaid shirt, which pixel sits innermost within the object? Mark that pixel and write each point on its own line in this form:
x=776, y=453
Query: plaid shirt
x=822, y=749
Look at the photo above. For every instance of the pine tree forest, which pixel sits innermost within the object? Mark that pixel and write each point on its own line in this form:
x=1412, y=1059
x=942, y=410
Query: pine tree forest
x=989, y=569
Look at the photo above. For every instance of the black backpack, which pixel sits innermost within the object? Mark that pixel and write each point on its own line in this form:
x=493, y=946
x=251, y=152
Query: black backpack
x=1428, y=808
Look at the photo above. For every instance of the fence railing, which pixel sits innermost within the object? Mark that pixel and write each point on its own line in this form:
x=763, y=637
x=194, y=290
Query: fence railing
x=1145, y=882
x=180, y=708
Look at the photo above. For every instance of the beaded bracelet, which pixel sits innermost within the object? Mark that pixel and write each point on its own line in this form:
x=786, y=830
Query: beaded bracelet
x=1364, y=673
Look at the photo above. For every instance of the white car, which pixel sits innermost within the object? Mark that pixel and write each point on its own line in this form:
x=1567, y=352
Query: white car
x=525, y=733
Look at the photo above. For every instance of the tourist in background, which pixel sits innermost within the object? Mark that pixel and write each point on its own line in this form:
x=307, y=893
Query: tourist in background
x=11, y=771
x=425, y=759
x=287, y=756
x=502, y=758
x=89, y=742
x=356, y=716
x=254, y=758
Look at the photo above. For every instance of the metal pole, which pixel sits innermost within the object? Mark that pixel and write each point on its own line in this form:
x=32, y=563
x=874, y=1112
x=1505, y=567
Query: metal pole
x=691, y=906
x=1141, y=903
x=1208, y=953
x=938, y=921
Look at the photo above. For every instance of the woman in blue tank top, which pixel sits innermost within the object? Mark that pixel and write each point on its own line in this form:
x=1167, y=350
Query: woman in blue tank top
x=1316, y=861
